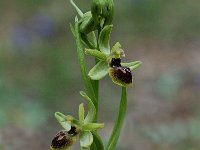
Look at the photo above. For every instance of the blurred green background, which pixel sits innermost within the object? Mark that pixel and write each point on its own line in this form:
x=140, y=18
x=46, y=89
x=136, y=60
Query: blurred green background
x=39, y=73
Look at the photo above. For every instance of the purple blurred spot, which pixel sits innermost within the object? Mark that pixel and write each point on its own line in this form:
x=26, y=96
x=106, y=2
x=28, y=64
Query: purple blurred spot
x=42, y=25
x=21, y=38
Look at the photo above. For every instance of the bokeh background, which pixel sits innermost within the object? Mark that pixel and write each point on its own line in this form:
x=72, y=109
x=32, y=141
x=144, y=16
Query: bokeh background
x=39, y=73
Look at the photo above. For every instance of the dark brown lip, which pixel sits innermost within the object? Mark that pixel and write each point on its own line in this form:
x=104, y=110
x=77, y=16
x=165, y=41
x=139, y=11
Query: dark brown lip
x=122, y=75
x=61, y=140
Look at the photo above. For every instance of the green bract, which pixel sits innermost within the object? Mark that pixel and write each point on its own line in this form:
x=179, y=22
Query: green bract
x=84, y=126
x=120, y=72
x=86, y=22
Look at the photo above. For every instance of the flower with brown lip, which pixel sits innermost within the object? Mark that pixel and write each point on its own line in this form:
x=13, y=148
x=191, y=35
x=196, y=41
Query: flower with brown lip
x=110, y=61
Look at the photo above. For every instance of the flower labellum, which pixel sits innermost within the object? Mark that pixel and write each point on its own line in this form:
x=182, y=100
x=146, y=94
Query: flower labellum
x=120, y=75
x=63, y=140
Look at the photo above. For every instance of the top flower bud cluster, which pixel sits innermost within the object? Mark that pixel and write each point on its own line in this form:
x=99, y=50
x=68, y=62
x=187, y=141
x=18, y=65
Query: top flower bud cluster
x=101, y=14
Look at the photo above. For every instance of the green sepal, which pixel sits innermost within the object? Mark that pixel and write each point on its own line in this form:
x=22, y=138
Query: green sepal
x=86, y=139
x=91, y=108
x=96, y=53
x=81, y=113
x=62, y=120
x=99, y=71
x=77, y=9
x=132, y=65
x=93, y=126
x=104, y=38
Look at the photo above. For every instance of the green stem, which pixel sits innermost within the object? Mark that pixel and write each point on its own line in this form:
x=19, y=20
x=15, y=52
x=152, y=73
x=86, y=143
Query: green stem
x=97, y=144
x=92, y=87
x=96, y=83
x=82, y=62
x=118, y=124
x=96, y=91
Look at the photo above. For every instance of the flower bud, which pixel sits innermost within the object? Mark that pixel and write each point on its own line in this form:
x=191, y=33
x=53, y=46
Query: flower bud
x=108, y=12
x=102, y=12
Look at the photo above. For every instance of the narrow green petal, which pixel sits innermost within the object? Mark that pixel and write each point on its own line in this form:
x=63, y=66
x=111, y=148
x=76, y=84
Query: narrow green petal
x=91, y=108
x=61, y=119
x=132, y=65
x=81, y=113
x=77, y=9
x=104, y=37
x=93, y=126
x=99, y=71
x=96, y=53
x=86, y=139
